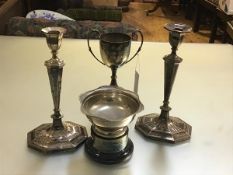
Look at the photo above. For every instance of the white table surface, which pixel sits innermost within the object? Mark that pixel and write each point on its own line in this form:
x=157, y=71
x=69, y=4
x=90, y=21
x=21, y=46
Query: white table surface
x=202, y=96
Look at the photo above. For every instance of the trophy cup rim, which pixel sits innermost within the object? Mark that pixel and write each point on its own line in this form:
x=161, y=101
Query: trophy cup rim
x=127, y=37
x=46, y=30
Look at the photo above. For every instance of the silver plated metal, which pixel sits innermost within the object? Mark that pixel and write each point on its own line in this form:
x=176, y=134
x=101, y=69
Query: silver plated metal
x=56, y=136
x=164, y=127
x=115, y=50
x=110, y=109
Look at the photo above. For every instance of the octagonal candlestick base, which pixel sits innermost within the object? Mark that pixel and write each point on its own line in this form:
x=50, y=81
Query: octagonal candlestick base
x=45, y=139
x=174, y=130
x=162, y=126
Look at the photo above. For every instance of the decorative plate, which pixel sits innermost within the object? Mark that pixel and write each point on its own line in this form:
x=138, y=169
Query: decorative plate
x=47, y=14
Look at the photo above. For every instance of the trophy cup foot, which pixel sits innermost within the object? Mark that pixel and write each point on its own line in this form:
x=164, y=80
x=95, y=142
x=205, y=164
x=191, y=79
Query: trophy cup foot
x=111, y=157
x=173, y=131
x=48, y=140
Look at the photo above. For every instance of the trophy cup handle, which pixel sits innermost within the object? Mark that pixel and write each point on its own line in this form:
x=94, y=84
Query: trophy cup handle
x=140, y=47
x=89, y=47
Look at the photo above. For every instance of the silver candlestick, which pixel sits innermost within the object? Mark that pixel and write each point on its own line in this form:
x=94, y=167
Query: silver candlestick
x=56, y=136
x=162, y=126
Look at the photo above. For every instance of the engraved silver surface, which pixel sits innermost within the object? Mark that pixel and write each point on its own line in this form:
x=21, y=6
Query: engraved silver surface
x=57, y=136
x=174, y=130
x=110, y=109
x=110, y=145
x=162, y=126
x=115, y=50
x=46, y=139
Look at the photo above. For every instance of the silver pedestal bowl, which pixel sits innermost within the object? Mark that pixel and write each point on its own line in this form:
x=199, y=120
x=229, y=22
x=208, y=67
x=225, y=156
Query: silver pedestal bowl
x=110, y=109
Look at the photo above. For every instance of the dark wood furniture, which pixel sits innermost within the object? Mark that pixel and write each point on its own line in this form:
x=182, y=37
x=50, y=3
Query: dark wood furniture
x=166, y=3
x=217, y=16
x=8, y=9
x=229, y=31
x=124, y=4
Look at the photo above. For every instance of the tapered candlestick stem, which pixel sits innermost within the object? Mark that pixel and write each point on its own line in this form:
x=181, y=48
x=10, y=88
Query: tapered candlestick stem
x=55, y=77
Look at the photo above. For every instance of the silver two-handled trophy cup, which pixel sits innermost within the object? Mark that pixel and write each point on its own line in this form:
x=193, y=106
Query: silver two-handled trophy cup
x=115, y=50
x=56, y=136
